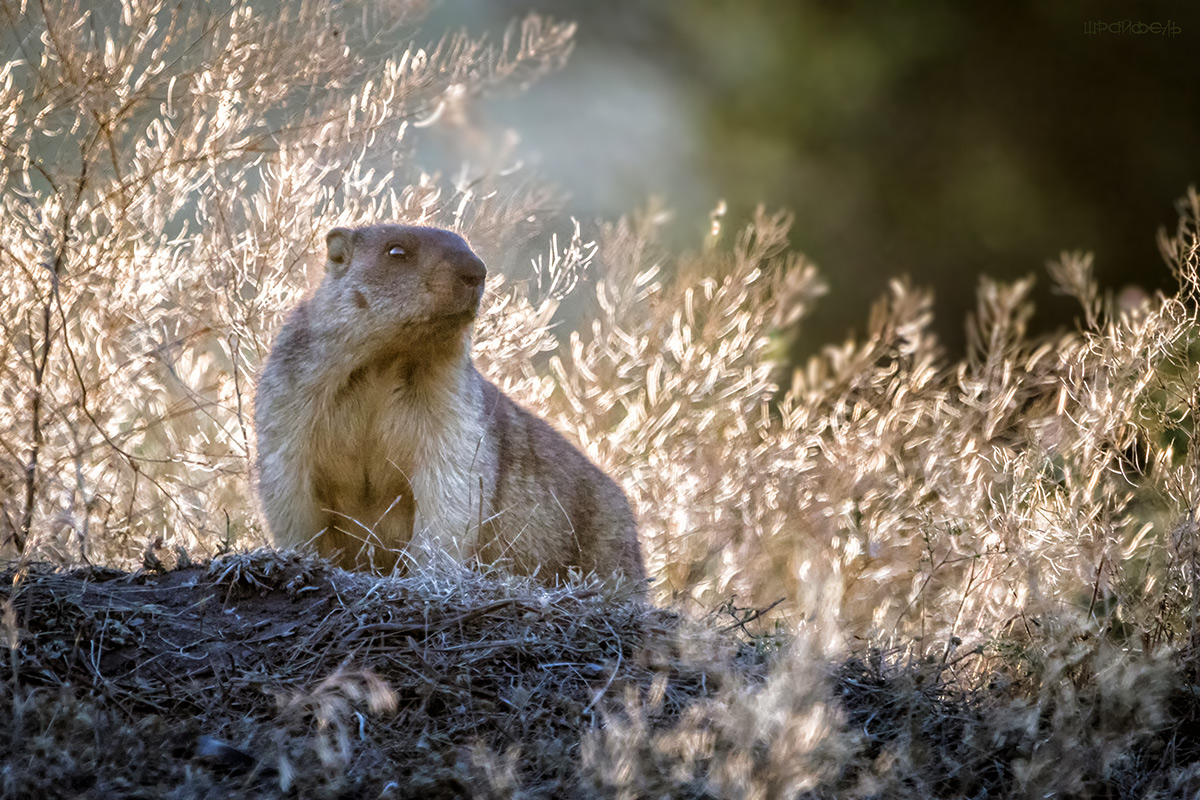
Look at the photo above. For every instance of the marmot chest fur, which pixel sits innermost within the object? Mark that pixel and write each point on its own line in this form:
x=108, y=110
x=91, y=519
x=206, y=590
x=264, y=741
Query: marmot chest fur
x=379, y=441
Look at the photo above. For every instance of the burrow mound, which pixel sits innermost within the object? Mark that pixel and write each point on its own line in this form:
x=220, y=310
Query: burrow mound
x=266, y=672
x=265, y=675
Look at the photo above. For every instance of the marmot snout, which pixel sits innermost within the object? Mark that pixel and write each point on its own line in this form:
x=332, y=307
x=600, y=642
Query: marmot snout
x=405, y=275
x=378, y=441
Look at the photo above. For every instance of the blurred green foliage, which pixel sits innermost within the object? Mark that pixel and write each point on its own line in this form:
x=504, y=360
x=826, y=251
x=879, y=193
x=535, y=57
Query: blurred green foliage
x=940, y=140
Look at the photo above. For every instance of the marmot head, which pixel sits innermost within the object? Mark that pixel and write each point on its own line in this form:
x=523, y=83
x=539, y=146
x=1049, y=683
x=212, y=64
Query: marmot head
x=405, y=280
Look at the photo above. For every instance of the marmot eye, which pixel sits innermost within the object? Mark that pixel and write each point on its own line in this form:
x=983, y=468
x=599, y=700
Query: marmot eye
x=396, y=251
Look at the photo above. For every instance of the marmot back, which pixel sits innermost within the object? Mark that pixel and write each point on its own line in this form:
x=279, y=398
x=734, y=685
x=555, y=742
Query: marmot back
x=378, y=440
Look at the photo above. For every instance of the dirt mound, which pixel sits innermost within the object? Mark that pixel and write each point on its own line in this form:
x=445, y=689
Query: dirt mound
x=261, y=673
x=268, y=675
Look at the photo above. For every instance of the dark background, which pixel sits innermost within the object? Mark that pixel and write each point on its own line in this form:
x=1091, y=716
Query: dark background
x=938, y=140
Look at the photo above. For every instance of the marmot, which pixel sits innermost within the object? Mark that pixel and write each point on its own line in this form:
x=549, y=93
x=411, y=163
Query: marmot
x=377, y=436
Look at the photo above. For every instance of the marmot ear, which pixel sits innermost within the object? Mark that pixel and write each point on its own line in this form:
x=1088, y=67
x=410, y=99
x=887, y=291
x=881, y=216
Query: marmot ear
x=339, y=244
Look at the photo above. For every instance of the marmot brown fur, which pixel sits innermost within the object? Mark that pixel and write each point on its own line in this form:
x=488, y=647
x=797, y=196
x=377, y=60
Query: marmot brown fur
x=378, y=438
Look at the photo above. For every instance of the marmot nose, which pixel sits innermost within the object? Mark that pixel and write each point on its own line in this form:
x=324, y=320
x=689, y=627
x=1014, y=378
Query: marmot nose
x=471, y=270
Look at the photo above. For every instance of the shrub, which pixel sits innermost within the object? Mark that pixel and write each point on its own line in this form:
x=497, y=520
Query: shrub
x=166, y=174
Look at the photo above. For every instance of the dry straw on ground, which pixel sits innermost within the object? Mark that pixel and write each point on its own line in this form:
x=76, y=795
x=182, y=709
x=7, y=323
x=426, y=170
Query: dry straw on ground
x=261, y=675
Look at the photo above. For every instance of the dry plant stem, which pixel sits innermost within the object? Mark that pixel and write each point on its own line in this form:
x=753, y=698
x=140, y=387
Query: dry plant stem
x=950, y=642
x=39, y=371
x=21, y=535
x=754, y=614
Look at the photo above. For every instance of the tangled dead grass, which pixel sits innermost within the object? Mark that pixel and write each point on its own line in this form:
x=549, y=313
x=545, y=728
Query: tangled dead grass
x=269, y=675
x=262, y=673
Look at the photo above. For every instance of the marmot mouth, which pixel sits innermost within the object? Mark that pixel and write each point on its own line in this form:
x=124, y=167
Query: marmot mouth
x=439, y=326
x=465, y=317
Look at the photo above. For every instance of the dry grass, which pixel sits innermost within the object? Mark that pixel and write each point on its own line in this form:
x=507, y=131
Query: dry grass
x=1000, y=551
x=261, y=673
x=266, y=675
